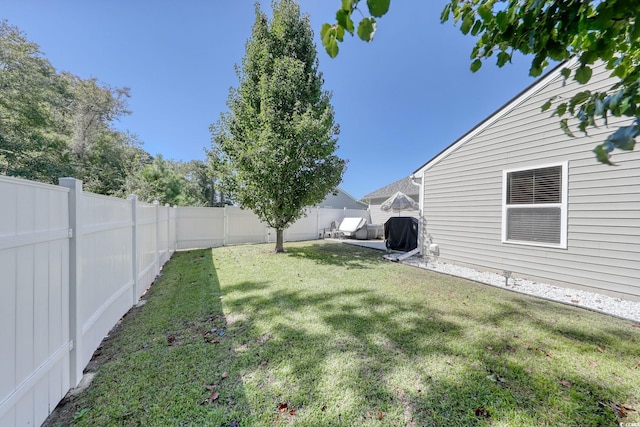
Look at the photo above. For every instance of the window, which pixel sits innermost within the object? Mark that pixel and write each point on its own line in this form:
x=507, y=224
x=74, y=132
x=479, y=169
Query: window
x=535, y=206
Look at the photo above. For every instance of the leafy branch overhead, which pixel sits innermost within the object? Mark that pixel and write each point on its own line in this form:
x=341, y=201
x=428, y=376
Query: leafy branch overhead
x=332, y=34
x=603, y=32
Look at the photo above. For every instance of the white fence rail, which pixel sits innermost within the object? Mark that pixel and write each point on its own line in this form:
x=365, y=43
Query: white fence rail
x=72, y=263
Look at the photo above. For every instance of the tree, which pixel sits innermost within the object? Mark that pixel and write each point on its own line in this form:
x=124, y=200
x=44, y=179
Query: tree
x=33, y=138
x=556, y=30
x=158, y=181
x=279, y=138
x=114, y=159
x=93, y=108
x=56, y=124
x=199, y=184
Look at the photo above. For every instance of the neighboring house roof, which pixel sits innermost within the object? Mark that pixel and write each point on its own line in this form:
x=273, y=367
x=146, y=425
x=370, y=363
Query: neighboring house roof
x=502, y=111
x=404, y=185
x=341, y=199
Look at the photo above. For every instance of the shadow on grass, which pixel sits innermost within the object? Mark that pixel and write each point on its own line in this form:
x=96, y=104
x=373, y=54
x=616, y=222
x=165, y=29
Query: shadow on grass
x=168, y=362
x=358, y=356
x=284, y=347
x=337, y=255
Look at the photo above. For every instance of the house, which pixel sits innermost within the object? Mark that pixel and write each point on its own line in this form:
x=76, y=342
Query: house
x=341, y=200
x=516, y=193
x=376, y=198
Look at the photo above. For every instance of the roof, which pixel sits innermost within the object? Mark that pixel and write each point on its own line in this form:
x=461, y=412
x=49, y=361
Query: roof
x=404, y=185
x=506, y=108
x=334, y=197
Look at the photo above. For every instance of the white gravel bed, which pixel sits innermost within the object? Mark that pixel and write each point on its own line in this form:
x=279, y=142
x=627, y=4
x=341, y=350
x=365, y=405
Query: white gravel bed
x=602, y=303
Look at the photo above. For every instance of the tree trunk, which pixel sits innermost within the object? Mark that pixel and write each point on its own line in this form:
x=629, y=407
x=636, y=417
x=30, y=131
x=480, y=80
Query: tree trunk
x=279, y=240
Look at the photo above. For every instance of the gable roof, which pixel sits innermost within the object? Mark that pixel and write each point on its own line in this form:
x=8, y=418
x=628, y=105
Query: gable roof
x=500, y=112
x=343, y=200
x=404, y=185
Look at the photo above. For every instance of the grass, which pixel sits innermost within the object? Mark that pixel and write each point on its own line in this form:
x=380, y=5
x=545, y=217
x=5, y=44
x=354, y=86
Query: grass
x=331, y=335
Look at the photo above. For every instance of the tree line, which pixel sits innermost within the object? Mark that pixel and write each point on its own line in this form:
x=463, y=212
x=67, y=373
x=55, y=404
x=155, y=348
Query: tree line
x=55, y=124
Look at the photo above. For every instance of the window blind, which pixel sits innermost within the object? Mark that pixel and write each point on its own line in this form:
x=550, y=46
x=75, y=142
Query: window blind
x=527, y=220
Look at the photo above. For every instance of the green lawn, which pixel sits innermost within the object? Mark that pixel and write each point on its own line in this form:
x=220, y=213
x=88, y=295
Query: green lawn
x=332, y=335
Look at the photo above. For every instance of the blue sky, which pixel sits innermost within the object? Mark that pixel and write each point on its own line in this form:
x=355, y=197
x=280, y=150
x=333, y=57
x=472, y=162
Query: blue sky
x=399, y=100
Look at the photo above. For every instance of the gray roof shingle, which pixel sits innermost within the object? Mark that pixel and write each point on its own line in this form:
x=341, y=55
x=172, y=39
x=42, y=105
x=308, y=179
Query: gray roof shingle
x=404, y=185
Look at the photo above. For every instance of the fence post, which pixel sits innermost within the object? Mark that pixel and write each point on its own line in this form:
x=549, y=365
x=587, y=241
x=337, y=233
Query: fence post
x=168, y=230
x=134, y=246
x=75, y=278
x=175, y=228
x=156, y=205
x=225, y=225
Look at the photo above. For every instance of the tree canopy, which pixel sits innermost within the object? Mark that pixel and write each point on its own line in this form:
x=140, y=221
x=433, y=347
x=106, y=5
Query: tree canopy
x=604, y=31
x=278, y=140
x=55, y=124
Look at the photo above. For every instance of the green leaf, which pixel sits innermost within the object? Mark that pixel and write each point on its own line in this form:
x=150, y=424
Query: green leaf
x=367, y=29
x=620, y=71
x=580, y=97
x=475, y=65
x=340, y=33
x=602, y=155
x=344, y=20
x=565, y=72
x=583, y=74
x=477, y=26
x=502, y=20
x=535, y=70
x=378, y=8
x=467, y=22
x=561, y=109
x=347, y=5
x=485, y=12
x=444, y=16
x=565, y=128
x=503, y=58
x=328, y=35
x=325, y=34
x=546, y=106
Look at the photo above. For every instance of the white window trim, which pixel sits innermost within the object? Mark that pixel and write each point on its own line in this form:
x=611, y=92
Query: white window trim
x=563, y=206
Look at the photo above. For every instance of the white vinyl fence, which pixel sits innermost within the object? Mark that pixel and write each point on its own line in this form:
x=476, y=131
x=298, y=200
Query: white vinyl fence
x=72, y=263
x=211, y=227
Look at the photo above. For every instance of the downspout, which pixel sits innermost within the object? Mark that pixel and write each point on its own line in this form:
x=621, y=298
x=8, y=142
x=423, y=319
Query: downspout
x=420, y=185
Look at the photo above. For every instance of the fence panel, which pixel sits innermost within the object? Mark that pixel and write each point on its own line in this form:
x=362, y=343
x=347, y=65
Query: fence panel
x=306, y=228
x=163, y=234
x=199, y=228
x=243, y=226
x=34, y=286
x=173, y=212
x=147, y=238
x=106, y=291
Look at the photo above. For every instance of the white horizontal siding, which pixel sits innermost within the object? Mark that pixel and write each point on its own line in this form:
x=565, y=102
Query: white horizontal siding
x=463, y=198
